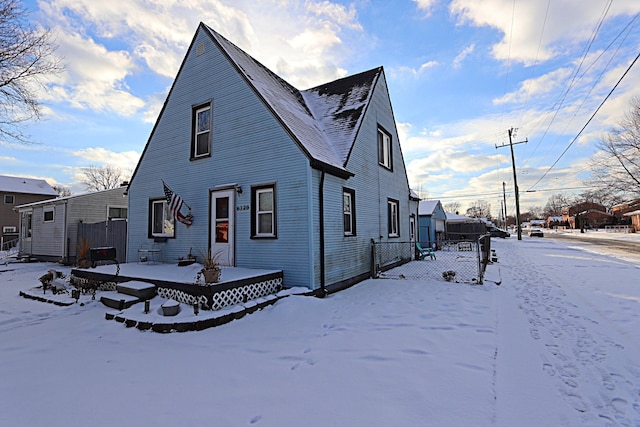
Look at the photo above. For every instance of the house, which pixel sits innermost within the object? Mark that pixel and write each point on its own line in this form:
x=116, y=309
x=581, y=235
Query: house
x=587, y=215
x=49, y=228
x=431, y=223
x=15, y=191
x=628, y=213
x=271, y=176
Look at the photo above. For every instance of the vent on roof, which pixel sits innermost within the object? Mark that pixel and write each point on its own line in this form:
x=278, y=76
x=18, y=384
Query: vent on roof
x=200, y=49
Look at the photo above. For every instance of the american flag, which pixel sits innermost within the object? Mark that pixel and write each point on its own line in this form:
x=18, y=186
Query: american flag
x=175, y=204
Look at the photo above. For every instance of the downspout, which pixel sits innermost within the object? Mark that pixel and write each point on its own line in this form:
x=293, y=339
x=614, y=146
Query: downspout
x=323, y=290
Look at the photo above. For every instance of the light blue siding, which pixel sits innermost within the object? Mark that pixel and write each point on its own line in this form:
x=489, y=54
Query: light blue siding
x=249, y=147
x=350, y=256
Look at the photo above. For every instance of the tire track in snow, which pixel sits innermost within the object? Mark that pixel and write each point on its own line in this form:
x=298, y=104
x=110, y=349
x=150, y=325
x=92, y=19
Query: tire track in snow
x=577, y=351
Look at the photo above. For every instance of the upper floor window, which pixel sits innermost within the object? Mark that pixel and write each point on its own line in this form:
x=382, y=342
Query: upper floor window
x=9, y=229
x=161, y=222
x=392, y=214
x=201, y=137
x=48, y=215
x=349, y=211
x=9, y=199
x=384, y=148
x=263, y=210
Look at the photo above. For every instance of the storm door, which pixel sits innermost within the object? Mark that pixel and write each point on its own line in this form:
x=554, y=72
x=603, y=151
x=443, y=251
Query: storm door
x=222, y=226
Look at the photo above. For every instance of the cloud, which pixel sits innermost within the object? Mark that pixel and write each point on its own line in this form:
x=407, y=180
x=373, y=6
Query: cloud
x=567, y=23
x=125, y=161
x=457, y=61
x=426, y=5
x=7, y=159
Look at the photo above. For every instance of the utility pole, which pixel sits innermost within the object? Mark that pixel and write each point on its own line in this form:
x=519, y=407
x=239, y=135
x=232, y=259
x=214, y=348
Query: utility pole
x=504, y=204
x=512, y=133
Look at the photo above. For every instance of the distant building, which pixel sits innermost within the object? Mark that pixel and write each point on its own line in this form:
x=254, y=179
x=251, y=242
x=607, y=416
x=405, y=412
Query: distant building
x=628, y=213
x=431, y=222
x=587, y=215
x=16, y=191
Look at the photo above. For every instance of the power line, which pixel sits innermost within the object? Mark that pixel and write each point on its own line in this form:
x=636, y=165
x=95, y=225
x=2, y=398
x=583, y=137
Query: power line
x=588, y=121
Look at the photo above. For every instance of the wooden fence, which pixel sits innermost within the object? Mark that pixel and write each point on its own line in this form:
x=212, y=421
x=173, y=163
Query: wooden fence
x=106, y=233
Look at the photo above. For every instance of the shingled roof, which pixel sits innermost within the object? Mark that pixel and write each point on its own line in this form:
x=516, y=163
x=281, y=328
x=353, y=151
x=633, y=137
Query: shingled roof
x=323, y=120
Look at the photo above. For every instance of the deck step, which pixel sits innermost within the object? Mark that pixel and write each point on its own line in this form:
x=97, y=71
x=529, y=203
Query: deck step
x=138, y=289
x=118, y=300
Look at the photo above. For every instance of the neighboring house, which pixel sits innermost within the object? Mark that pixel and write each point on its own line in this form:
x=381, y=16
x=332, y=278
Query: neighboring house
x=628, y=213
x=460, y=227
x=553, y=221
x=431, y=223
x=48, y=229
x=274, y=177
x=16, y=191
x=587, y=215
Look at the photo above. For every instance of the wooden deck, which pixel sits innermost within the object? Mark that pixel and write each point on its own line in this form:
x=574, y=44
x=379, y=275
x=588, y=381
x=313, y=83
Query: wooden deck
x=236, y=285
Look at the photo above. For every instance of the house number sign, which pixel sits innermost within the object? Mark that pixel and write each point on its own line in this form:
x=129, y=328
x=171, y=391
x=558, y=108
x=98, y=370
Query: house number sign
x=242, y=207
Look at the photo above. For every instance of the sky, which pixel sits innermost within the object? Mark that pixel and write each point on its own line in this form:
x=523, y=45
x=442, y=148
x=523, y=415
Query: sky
x=556, y=344
x=461, y=73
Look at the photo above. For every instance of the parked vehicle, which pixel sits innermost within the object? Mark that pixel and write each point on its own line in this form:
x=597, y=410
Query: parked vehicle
x=536, y=232
x=496, y=232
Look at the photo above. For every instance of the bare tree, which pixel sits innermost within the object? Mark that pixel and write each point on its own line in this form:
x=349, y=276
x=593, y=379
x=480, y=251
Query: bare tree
x=26, y=56
x=616, y=168
x=479, y=209
x=62, y=191
x=557, y=202
x=452, y=207
x=99, y=178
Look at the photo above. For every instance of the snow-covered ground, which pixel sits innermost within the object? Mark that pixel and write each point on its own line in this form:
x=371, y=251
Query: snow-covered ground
x=556, y=344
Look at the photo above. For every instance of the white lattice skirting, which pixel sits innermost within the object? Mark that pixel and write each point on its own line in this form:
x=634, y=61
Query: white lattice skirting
x=228, y=297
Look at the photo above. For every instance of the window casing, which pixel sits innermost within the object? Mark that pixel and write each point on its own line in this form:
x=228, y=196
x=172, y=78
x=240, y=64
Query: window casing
x=384, y=149
x=116, y=213
x=161, y=223
x=48, y=215
x=263, y=212
x=349, y=211
x=201, y=133
x=9, y=229
x=393, y=216
x=9, y=199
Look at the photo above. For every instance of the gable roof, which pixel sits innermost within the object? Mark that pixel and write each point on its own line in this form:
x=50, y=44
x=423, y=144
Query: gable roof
x=323, y=120
x=14, y=184
x=118, y=190
x=427, y=207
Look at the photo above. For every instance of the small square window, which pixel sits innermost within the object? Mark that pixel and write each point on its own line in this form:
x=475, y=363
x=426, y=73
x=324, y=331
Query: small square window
x=48, y=215
x=384, y=149
x=263, y=210
x=201, y=138
x=9, y=199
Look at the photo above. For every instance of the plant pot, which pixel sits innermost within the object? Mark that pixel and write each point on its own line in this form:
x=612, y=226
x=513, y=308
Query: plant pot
x=211, y=276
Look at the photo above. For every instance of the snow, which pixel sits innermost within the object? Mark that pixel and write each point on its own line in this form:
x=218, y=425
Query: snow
x=555, y=344
x=14, y=184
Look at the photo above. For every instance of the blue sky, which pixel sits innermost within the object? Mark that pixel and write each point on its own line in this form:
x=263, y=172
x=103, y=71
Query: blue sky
x=460, y=74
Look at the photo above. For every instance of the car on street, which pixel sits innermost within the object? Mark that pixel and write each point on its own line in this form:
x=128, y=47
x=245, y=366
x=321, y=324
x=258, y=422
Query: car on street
x=496, y=232
x=536, y=232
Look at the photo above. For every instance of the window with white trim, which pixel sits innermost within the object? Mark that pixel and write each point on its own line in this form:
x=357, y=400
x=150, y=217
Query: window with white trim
x=349, y=211
x=384, y=148
x=9, y=229
x=393, y=223
x=48, y=215
x=116, y=213
x=201, y=137
x=161, y=223
x=263, y=209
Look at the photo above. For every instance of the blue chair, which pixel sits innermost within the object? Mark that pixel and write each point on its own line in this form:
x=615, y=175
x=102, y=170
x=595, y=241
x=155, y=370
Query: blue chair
x=424, y=253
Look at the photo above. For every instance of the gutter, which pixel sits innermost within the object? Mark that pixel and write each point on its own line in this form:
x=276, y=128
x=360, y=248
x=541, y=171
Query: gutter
x=323, y=290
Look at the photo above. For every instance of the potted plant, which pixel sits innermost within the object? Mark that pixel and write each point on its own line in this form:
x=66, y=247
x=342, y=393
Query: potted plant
x=211, y=267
